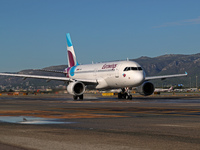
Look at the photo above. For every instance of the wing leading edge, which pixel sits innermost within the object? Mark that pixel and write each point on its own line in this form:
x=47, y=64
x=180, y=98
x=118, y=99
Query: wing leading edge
x=166, y=76
x=87, y=81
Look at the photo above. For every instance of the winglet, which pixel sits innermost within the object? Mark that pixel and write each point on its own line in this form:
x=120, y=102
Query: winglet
x=70, y=52
x=186, y=73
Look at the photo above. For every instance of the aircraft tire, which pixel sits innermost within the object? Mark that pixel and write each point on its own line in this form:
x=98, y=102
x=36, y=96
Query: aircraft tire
x=81, y=97
x=75, y=97
x=125, y=96
x=119, y=96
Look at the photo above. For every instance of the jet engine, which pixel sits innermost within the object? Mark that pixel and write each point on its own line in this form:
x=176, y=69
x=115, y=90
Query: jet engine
x=76, y=88
x=146, y=89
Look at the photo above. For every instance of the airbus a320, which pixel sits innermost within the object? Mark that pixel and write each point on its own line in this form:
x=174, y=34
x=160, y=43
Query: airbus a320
x=107, y=75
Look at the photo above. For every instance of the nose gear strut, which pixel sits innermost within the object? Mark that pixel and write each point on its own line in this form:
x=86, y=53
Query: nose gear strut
x=125, y=94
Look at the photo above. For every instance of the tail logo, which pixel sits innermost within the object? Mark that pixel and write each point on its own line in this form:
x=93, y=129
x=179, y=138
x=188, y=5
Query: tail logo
x=70, y=52
x=71, y=59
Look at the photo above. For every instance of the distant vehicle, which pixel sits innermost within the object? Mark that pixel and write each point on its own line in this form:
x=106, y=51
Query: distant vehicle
x=107, y=75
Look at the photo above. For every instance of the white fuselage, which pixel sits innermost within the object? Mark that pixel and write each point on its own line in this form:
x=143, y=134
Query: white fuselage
x=115, y=74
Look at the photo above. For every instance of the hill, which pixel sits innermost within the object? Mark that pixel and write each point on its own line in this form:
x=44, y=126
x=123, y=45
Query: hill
x=173, y=64
x=16, y=83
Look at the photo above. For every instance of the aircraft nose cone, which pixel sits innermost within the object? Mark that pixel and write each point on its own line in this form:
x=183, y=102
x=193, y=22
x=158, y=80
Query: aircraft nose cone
x=139, y=78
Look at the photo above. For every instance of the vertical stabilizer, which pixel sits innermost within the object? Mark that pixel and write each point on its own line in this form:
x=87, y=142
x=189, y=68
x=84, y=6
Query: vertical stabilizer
x=70, y=52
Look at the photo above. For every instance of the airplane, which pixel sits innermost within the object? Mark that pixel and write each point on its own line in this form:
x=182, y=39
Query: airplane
x=106, y=75
x=164, y=90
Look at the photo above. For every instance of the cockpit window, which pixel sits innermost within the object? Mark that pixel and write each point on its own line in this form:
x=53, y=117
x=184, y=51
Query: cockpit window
x=126, y=69
x=132, y=68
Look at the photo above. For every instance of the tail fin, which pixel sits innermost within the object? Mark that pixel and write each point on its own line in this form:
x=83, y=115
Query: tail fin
x=70, y=52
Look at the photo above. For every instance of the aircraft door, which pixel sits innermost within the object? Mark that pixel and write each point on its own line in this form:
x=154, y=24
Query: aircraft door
x=117, y=71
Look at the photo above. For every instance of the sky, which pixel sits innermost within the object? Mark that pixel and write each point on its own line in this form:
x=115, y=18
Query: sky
x=33, y=32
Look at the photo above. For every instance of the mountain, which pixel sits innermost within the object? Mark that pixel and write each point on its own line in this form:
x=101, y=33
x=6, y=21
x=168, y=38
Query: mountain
x=161, y=65
x=173, y=64
x=32, y=84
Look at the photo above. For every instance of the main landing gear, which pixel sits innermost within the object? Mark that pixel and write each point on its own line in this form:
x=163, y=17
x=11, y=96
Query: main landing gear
x=125, y=94
x=80, y=97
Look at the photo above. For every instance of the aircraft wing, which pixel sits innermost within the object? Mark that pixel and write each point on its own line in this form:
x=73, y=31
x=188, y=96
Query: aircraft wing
x=166, y=76
x=55, y=71
x=86, y=81
x=36, y=76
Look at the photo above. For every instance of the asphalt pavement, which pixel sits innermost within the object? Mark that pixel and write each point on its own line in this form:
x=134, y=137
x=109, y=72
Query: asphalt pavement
x=49, y=122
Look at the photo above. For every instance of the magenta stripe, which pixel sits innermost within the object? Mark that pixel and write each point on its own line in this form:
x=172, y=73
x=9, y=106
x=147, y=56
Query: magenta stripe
x=71, y=59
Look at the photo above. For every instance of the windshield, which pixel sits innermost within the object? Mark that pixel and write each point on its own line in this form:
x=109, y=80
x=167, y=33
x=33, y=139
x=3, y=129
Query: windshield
x=132, y=68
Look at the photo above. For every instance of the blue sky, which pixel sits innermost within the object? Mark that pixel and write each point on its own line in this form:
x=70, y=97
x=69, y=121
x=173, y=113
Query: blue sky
x=32, y=32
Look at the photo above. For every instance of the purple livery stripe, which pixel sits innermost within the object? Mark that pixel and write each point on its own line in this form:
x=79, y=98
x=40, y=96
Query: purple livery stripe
x=71, y=59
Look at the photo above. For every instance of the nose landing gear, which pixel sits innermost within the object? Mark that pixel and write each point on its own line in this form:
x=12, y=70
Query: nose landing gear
x=125, y=94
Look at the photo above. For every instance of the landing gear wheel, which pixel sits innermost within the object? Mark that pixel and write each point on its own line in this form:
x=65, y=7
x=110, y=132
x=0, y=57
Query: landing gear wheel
x=75, y=97
x=124, y=96
x=119, y=96
x=81, y=97
x=129, y=97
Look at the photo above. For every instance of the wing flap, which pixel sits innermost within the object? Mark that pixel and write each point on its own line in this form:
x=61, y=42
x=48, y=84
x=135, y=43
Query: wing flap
x=54, y=71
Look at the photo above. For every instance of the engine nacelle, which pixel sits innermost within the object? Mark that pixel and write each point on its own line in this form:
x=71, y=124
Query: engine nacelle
x=76, y=88
x=147, y=88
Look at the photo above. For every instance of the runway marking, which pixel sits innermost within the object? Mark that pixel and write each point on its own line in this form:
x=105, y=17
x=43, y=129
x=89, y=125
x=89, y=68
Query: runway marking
x=170, y=125
x=182, y=125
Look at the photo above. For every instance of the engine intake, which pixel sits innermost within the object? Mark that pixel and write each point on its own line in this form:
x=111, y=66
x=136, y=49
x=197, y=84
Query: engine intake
x=147, y=88
x=76, y=88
